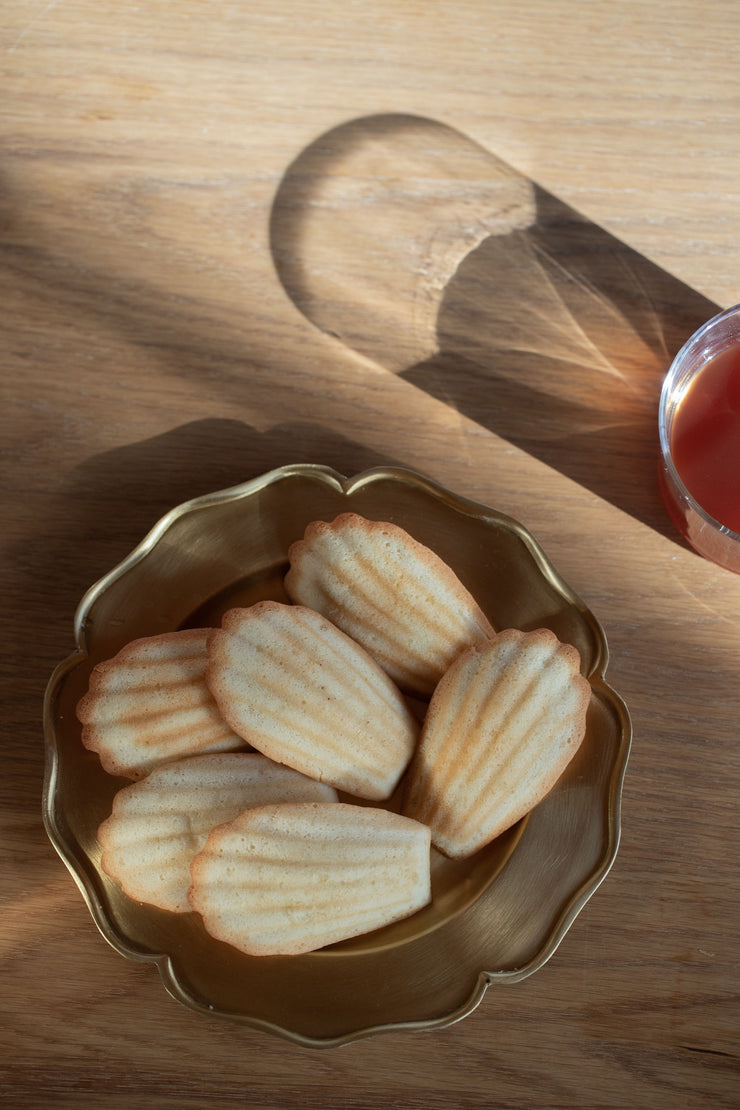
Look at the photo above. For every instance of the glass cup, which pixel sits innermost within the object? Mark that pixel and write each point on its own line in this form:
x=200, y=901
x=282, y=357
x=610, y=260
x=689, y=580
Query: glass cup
x=708, y=535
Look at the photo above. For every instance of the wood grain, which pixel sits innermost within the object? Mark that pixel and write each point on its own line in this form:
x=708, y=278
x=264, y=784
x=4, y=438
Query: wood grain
x=221, y=251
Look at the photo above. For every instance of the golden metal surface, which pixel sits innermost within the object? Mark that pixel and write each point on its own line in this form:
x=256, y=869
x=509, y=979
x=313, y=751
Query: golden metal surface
x=496, y=917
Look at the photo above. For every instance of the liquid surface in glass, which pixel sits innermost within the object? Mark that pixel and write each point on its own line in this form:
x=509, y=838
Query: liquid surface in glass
x=705, y=438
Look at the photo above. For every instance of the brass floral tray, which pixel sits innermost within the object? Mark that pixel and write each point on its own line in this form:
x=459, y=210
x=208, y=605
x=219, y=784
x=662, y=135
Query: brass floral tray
x=494, y=918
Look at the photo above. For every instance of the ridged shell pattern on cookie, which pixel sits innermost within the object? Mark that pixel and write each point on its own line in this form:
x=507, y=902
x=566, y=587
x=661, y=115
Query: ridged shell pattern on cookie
x=160, y=823
x=150, y=704
x=293, y=878
x=390, y=593
x=501, y=728
x=303, y=693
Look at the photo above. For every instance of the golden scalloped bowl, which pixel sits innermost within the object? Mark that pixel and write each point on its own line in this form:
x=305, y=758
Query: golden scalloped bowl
x=494, y=918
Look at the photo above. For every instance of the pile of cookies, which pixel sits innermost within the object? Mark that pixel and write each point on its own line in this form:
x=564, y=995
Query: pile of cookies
x=262, y=751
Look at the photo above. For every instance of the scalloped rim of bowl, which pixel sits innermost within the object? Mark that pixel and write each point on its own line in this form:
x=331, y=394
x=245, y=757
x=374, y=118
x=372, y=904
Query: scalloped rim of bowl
x=85, y=870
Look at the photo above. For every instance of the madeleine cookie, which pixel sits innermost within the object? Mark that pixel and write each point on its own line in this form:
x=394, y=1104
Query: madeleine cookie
x=160, y=823
x=300, y=691
x=388, y=592
x=150, y=704
x=282, y=880
x=501, y=728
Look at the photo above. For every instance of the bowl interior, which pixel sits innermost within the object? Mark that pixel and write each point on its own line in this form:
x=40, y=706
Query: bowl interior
x=502, y=912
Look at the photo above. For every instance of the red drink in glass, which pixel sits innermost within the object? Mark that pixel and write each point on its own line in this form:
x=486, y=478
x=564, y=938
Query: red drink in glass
x=700, y=439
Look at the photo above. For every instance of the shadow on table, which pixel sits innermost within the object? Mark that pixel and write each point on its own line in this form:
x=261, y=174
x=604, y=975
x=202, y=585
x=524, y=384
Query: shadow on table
x=423, y=251
x=137, y=484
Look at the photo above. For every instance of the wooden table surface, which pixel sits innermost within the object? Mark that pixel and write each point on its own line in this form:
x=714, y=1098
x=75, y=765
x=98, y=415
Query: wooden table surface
x=464, y=239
